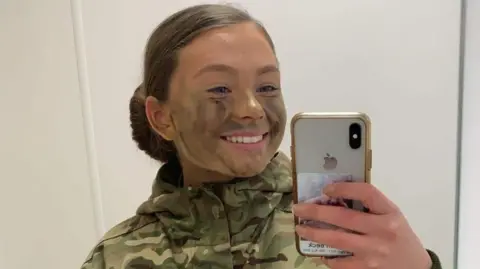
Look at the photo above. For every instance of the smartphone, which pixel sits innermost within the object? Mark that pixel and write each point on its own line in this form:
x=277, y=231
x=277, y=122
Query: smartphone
x=328, y=148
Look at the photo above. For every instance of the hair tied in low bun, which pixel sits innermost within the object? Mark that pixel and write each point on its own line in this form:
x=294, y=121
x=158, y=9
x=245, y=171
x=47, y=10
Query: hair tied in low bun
x=140, y=93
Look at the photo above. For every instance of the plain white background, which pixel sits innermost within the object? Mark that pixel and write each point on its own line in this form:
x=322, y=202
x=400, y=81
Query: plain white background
x=69, y=169
x=46, y=221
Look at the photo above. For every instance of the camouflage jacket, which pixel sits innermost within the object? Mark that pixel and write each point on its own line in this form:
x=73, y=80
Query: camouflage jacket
x=245, y=224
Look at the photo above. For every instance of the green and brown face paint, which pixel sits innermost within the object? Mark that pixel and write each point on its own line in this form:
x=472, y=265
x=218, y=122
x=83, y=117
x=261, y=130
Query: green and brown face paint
x=208, y=130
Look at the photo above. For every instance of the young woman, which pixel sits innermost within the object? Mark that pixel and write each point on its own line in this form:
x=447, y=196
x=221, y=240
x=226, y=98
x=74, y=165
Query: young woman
x=210, y=108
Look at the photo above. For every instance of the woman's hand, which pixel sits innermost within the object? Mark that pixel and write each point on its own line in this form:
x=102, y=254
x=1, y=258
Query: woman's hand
x=386, y=241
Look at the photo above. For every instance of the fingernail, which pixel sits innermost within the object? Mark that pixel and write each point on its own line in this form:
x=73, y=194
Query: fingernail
x=297, y=208
x=300, y=230
x=294, y=208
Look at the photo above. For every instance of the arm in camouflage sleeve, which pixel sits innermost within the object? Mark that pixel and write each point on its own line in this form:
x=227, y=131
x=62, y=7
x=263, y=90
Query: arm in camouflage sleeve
x=435, y=260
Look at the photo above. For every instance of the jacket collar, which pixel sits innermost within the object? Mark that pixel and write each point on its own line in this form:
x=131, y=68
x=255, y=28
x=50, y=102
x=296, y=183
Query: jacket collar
x=183, y=208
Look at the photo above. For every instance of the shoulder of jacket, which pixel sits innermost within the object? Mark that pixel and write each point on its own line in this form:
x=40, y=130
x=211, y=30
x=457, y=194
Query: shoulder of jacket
x=119, y=237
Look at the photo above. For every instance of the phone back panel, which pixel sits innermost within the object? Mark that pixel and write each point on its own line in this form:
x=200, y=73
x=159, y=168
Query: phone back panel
x=324, y=150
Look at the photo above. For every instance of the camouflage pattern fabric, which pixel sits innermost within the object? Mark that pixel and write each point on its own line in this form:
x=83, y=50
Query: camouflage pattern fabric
x=243, y=224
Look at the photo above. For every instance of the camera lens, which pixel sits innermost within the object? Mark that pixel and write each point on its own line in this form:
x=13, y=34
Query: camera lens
x=355, y=136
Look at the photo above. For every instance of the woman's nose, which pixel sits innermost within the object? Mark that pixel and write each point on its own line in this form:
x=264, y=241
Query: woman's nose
x=247, y=106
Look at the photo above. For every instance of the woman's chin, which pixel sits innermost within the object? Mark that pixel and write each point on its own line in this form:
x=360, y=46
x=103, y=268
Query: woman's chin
x=247, y=169
x=241, y=165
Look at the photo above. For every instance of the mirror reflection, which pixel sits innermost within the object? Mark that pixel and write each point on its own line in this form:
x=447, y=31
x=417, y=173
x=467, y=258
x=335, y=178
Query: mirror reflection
x=260, y=134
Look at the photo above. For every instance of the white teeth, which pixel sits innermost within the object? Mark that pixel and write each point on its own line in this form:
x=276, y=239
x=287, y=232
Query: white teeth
x=244, y=139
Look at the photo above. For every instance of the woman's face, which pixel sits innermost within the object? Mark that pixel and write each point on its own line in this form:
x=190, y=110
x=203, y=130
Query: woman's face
x=225, y=103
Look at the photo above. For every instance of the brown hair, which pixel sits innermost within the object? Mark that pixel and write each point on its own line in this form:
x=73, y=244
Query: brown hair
x=160, y=61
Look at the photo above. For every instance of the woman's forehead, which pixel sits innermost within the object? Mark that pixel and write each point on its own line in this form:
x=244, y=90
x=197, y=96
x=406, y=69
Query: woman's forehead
x=241, y=46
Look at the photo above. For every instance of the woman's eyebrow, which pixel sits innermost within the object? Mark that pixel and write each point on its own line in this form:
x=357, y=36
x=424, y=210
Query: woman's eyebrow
x=232, y=70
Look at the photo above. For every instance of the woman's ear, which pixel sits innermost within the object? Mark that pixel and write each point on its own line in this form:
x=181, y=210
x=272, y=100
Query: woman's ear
x=159, y=117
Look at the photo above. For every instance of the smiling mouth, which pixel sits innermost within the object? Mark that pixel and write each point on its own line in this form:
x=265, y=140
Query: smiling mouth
x=245, y=139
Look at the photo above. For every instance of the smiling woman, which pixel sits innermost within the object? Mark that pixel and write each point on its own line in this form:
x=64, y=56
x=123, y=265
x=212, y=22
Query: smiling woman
x=211, y=109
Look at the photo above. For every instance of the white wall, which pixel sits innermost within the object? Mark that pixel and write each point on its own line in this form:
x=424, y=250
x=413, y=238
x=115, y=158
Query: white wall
x=46, y=205
x=469, y=233
x=70, y=170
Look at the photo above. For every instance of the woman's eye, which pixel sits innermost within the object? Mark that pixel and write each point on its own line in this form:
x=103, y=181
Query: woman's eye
x=267, y=89
x=219, y=90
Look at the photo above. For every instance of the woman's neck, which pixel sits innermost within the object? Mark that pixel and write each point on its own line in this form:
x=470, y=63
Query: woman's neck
x=195, y=176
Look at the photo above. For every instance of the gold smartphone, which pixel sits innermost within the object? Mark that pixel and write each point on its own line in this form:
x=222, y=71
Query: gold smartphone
x=328, y=148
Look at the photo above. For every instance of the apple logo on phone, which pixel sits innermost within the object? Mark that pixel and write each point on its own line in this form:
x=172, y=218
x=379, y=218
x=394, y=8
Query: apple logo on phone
x=330, y=162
